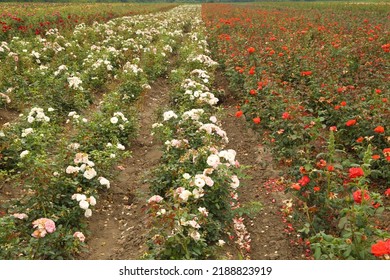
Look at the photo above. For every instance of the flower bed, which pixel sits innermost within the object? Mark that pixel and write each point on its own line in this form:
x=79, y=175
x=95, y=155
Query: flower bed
x=60, y=154
x=315, y=86
x=194, y=188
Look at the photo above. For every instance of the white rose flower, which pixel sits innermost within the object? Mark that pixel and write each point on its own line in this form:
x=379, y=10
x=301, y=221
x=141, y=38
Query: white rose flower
x=74, y=146
x=203, y=211
x=220, y=243
x=169, y=115
x=184, y=195
x=24, y=153
x=114, y=120
x=82, y=167
x=186, y=176
x=92, y=200
x=213, y=161
x=197, y=193
x=72, y=169
x=195, y=235
x=199, y=182
x=84, y=204
x=213, y=119
x=79, y=197
x=103, y=181
x=88, y=213
x=89, y=173
x=194, y=224
x=120, y=146
x=27, y=131
x=235, y=182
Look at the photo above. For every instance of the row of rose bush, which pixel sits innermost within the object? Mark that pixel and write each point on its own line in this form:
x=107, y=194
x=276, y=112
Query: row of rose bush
x=29, y=19
x=57, y=156
x=194, y=188
x=314, y=86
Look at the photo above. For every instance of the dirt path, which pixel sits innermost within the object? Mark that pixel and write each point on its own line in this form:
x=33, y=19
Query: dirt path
x=267, y=229
x=119, y=226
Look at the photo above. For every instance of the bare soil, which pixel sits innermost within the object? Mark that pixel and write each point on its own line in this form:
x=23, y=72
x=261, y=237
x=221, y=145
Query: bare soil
x=270, y=234
x=7, y=116
x=119, y=224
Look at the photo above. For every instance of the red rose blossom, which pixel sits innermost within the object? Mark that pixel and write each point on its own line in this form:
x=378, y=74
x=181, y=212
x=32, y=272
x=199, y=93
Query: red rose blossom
x=381, y=248
x=256, y=120
x=355, y=172
x=379, y=129
x=350, y=122
x=358, y=196
x=251, y=50
x=304, y=181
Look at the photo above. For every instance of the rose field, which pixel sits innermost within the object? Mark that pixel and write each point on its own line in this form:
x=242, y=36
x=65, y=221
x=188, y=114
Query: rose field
x=195, y=132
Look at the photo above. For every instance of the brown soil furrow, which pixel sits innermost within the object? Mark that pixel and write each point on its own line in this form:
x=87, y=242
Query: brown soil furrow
x=119, y=224
x=267, y=230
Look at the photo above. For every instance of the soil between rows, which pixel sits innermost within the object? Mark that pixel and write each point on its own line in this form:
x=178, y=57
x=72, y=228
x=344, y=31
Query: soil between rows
x=119, y=224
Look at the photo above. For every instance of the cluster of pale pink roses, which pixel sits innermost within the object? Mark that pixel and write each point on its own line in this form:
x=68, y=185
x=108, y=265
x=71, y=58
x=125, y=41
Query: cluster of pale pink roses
x=42, y=227
x=86, y=166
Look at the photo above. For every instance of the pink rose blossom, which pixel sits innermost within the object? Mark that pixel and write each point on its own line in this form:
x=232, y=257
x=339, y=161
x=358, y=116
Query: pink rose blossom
x=79, y=235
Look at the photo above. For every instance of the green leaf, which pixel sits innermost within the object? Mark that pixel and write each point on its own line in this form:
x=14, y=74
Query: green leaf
x=317, y=253
x=342, y=222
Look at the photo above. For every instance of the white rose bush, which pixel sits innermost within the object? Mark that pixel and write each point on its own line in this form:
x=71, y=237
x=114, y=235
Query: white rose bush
x=196, y=183
x=77, y=94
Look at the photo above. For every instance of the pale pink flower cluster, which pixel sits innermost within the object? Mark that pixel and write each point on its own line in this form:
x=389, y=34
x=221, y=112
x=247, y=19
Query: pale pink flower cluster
x=176, y=143
x=155, y=199
x=210, y=128
x=42, y=227
x=229, y=155
x=235, y=182
x=193, y=114
x=202, y=179
x=79, y=235
x=86, y=166
x=209, y=98
x=183, y=194
x=20, y=216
